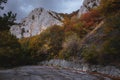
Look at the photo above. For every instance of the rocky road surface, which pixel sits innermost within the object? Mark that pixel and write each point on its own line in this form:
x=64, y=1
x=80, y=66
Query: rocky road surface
x=46, y=73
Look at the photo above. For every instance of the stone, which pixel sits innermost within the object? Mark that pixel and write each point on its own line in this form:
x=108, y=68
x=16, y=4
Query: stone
x=37, y=21
x=46, y=73
x=109, y=70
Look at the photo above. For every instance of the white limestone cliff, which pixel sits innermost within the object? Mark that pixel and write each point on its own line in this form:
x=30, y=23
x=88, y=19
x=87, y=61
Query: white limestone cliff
x=37, y=21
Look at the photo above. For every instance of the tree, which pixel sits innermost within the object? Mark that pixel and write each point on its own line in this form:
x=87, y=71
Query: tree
x=7, y=19
x=90, y=18
x=10, y=49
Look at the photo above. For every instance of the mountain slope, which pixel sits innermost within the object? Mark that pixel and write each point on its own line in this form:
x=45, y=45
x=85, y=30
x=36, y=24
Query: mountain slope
x=101, y=46
x=37, y=21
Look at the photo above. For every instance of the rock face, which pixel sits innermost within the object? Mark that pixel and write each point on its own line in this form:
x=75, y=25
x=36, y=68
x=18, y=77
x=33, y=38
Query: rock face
x=37, y=21
x=87, y=5
x=46, y=73
x=108, y=70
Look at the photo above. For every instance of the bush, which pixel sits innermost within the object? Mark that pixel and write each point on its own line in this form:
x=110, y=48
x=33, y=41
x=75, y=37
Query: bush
x=71, y=47
x=90, y=55
x=9, y=49
x=7, y=20
x=91, y=18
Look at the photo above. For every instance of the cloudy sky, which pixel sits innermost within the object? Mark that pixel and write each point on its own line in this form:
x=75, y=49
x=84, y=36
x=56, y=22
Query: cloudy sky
x=24, y=7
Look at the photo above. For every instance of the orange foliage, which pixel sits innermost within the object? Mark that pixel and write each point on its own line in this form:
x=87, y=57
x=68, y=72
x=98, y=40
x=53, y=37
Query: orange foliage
x=85, y=24
x=90, y=18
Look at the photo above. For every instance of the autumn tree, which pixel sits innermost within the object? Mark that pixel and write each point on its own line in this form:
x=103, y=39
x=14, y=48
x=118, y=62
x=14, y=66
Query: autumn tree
x=90, y=18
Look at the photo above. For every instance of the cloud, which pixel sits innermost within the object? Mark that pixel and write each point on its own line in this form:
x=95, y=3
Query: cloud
x=24, y=7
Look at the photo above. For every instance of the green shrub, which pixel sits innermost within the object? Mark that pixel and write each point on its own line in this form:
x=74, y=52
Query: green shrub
x=90, y=54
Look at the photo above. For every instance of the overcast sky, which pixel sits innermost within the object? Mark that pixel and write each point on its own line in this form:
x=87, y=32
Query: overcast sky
x=24, y=7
